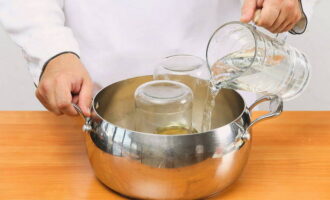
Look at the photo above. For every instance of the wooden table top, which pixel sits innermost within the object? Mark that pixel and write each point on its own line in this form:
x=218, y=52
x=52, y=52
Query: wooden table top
x=43, y=157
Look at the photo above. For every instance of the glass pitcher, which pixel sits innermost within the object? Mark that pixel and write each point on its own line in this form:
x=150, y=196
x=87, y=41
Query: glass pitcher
x=241, y=57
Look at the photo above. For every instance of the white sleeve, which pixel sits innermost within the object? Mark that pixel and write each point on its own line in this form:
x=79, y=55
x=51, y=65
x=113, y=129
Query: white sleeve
x=307, y=8
x=37, y=26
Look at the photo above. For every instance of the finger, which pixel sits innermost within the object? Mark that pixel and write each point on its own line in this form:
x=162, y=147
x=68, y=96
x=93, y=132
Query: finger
x=275, y=28
x=288, y=28
x=51, y=102
x=282, y=27
x=47, y=93
x=295, y=18
x=260, y=3
x=294, y=13
x=75, y=99
x=64, y=98
x=44, y=102
x=85, y=97
x=268, y=16
x=248, y=9
x=256, y=16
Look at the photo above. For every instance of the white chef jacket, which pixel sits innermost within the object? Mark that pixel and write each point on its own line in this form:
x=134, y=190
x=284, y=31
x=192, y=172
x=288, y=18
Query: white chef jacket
x=115, y=39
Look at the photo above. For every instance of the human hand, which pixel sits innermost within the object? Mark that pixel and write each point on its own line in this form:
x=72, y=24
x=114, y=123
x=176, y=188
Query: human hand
x=65, y=80
x=277, y=16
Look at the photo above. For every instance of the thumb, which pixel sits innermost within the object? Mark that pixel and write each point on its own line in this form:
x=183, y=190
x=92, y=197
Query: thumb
x=260, y=3
x=248, y=8
x=85, y=97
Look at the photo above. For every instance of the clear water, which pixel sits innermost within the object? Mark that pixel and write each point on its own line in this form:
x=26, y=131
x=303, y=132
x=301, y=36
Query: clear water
x=276, y=74
x=209, y=106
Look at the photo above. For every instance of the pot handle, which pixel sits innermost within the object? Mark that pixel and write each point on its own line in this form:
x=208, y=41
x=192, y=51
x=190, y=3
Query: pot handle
x=87, y=127
x=275, y=107
x=80, y=112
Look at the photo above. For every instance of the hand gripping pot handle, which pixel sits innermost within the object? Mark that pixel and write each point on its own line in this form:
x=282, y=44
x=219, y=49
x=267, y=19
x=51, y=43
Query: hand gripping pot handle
x=275, y=107
x=87, y=127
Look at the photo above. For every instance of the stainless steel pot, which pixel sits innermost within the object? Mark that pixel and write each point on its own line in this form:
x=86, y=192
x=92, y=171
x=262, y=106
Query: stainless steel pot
x=150, y=166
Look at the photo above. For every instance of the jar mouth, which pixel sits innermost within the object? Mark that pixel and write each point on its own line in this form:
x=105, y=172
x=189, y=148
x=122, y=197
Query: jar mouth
x=232, y=42
x=182, y=63
x=162, y=91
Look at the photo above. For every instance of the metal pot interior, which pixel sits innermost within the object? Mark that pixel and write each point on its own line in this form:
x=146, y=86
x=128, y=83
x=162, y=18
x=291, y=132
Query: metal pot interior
x=115, y=103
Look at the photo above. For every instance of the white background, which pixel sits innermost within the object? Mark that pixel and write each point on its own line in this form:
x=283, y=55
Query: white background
x=17, y=89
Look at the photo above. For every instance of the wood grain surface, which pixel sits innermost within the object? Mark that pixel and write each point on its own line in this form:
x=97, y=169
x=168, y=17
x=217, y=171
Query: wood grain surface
x=44, y=157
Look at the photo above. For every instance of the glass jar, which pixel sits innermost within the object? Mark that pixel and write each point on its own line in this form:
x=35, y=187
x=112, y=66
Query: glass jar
x=192, y=71
x=163, y=107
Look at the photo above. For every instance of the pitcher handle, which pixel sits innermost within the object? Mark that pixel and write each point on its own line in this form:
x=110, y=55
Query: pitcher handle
x=87, y=127
x=275, y=107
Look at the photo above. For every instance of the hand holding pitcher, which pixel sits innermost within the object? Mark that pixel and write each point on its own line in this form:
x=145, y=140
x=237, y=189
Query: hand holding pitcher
x=256, y=62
